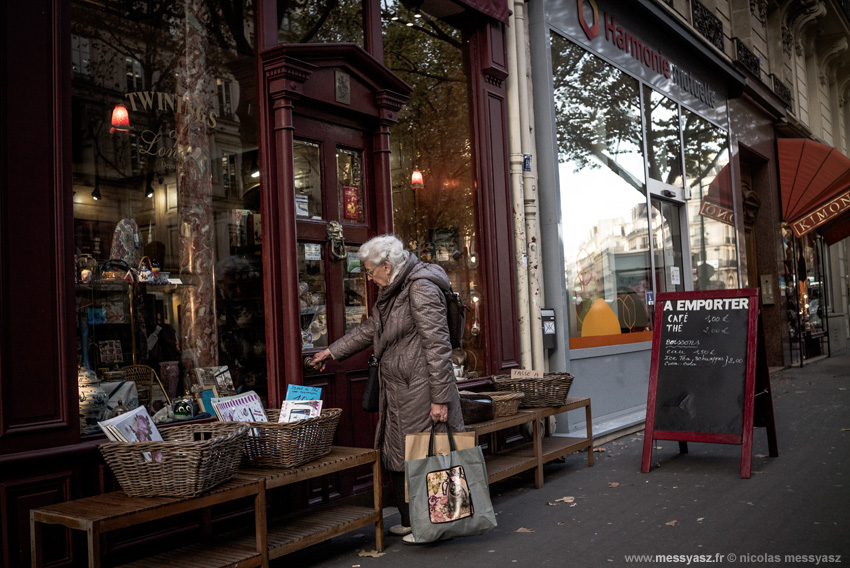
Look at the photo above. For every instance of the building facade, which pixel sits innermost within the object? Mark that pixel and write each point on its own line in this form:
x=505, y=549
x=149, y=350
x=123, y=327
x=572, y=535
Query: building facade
x=662, y=167
x=229, y=158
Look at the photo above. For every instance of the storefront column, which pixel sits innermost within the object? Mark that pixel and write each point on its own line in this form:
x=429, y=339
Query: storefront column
x=197, y=301
x=284, y=79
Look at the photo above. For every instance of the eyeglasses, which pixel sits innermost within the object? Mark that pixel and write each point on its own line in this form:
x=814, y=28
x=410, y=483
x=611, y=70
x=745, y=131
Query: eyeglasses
x=369, y=273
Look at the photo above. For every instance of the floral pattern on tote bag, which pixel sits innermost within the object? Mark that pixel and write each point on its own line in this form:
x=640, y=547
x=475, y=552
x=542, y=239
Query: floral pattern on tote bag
x=448, y=495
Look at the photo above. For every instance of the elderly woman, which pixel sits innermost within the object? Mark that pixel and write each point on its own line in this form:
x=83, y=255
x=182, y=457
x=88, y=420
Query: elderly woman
x=410, y=335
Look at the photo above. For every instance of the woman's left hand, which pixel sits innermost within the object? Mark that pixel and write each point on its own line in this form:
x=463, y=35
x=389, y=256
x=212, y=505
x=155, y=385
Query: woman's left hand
x=439, y=412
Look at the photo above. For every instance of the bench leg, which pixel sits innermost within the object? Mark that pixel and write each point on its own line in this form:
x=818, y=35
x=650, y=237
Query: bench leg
x=377, y=490
x=36, y=542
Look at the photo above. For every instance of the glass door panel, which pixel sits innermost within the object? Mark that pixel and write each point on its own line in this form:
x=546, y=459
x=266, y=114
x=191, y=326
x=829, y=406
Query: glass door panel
x=667, y=246
x=312, y=294
x=349, y=168
x=308, y=179
x=355, y=291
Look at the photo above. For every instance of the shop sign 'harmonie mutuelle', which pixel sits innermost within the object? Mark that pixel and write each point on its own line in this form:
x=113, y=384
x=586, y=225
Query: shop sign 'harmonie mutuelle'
x=652, y=58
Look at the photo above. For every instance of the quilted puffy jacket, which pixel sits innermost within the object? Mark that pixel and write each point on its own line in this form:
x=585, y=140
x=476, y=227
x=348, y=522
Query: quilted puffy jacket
x=410, y=335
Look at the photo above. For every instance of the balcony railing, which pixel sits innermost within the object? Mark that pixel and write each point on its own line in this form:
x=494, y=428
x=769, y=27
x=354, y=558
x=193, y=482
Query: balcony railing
x=782, y=91
x=707, y=24
x=747, y=58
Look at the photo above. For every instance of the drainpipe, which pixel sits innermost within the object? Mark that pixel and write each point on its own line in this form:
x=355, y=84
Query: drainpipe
x=529, y=192
x=517, y=201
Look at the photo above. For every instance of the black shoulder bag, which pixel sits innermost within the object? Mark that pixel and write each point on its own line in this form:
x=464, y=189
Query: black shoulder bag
x=372, y=392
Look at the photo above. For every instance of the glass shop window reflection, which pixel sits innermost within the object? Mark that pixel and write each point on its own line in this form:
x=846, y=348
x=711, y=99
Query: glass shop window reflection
x=713, y=238
x=167, y=221
x=603, y=196
x=434, y=192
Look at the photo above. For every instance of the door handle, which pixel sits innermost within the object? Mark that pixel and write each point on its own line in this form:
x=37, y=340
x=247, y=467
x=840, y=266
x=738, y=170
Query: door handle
x=310, y=366
x=337, y=241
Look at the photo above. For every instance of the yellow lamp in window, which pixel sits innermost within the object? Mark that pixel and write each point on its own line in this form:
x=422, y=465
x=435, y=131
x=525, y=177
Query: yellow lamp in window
x=600, y=320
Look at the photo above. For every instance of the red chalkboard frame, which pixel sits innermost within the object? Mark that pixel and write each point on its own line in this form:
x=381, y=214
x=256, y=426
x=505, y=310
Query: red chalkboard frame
x=745, y=438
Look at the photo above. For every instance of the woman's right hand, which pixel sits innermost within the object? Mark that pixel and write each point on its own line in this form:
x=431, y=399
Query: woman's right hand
x=320, y=359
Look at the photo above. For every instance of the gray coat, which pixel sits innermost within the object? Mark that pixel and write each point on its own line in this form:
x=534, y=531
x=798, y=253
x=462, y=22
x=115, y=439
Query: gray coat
x=410, y=335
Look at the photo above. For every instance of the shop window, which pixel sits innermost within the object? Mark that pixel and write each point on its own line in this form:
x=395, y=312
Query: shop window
x=168, y=247
x=435, y=208
x=713, y=239
x=320, y=21
x=602, y=185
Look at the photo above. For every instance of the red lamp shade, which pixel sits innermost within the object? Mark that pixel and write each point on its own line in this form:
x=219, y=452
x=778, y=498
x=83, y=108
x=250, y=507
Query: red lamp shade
x=416, y=181
x=120, y=118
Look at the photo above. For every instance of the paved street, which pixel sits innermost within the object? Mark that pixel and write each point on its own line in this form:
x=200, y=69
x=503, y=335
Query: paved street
x=696, y=504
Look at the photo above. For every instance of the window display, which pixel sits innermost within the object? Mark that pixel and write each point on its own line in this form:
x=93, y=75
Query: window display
x=167, y=221
x=435, y=208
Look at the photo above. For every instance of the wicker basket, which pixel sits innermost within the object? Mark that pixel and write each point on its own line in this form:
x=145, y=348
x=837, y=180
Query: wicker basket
x=507, y=403
x=191, y=459
x=551, y=390
x=290, y=444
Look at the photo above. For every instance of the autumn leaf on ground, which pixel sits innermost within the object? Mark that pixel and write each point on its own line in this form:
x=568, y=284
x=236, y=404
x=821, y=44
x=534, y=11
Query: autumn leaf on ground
x=573, y=504
x=760, y=456
x=617, y=444
x=551, y=504
x=560, y=523
x=700, y=518
x=672, y=523
x=613, y=484
x=598, y=449
x=566, y=499
x=845, y=429
x=524, y=530
x=370, y=553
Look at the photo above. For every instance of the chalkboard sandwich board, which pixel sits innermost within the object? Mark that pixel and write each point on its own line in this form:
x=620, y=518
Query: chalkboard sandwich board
x=703, y=372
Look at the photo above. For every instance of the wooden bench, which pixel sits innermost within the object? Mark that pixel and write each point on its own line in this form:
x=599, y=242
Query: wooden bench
x=102, y=514
x=240, y=548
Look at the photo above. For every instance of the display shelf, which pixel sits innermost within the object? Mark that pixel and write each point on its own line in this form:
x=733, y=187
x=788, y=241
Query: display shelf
x=542, y=448
x=298, y=530
x=202, y=555
x=293, y=531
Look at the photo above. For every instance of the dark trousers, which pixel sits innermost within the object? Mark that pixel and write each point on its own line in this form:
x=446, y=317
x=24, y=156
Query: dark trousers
x=397, y=479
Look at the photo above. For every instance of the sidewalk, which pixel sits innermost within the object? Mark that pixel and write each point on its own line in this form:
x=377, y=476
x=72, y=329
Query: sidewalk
x=694, y=504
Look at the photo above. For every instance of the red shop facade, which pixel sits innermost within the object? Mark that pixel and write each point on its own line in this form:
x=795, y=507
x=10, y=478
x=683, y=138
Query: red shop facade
x=241, y=152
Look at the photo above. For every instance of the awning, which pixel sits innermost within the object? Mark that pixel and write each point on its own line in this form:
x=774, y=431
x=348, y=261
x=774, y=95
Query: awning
x=815, y=185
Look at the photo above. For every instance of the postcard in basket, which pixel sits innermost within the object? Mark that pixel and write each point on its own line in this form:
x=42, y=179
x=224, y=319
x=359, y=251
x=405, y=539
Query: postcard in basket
x=133, y=426
x=294, y=410
x=245, y=407
x=301, y=392
x=218, y=377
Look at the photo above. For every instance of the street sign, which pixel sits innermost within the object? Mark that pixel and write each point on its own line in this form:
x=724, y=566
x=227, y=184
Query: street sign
x=707, y=361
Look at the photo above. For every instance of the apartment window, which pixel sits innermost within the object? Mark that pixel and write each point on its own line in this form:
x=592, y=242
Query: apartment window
x=133, y=70
x=81, y=55
x=225, y=97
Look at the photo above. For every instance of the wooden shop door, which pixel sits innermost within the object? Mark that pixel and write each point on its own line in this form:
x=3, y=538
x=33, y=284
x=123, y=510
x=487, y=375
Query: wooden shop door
x=335, y=214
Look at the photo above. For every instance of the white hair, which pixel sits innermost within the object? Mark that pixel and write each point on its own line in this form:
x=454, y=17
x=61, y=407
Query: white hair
x=383, y=248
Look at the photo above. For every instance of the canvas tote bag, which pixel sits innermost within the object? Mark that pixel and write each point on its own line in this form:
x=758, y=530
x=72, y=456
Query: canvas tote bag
x=449, y=494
